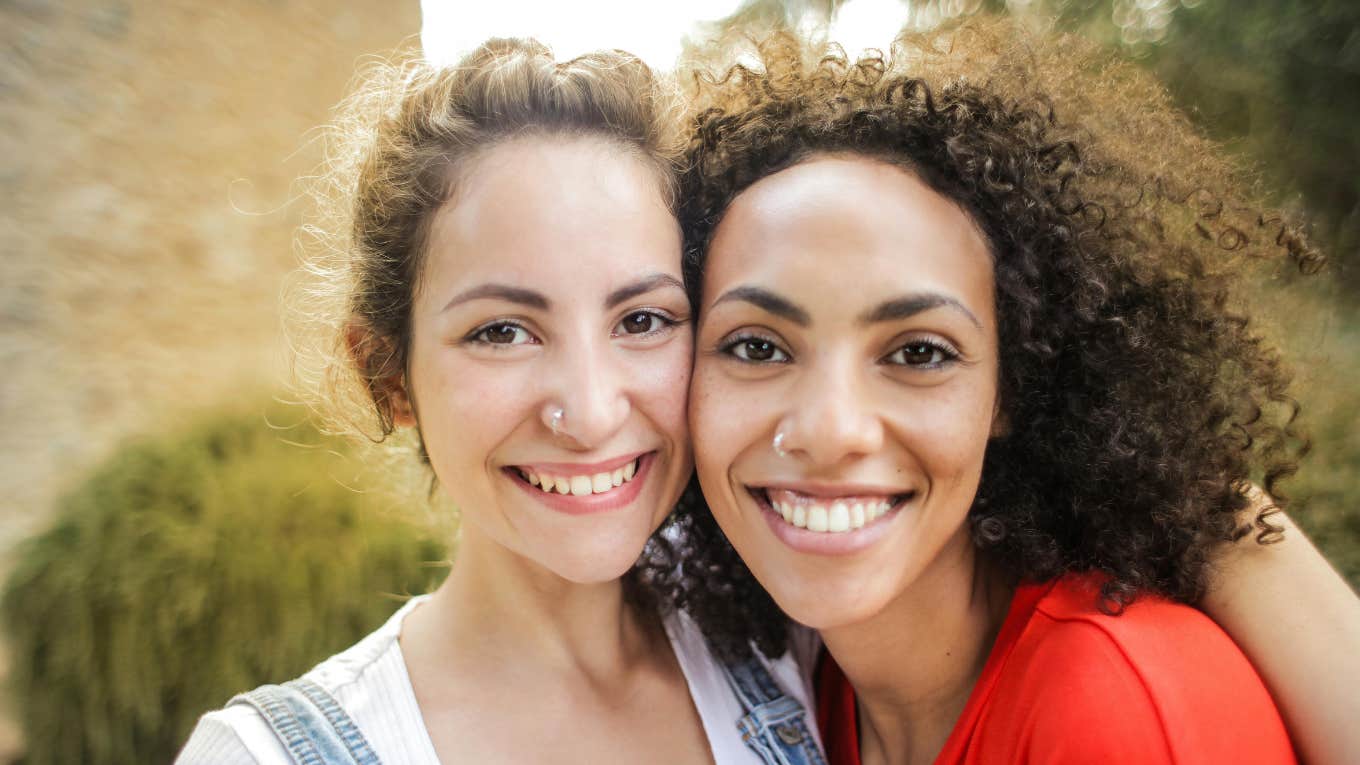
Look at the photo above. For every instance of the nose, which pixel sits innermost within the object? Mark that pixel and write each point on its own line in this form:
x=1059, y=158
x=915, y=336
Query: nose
x=587, y=401
x=830, y=419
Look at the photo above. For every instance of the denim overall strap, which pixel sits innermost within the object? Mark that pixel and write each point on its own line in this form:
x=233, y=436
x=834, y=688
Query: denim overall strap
x=310, y=723
x=775, y=726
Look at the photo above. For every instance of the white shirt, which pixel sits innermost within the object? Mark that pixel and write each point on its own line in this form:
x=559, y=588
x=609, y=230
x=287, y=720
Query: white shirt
x=369, y=680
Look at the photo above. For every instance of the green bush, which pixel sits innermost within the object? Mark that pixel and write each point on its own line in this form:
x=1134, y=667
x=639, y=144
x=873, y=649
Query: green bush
x=1329, y=482
x=186, y=569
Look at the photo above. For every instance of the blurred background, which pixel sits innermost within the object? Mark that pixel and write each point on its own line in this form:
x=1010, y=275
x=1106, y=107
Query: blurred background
x=172, y=532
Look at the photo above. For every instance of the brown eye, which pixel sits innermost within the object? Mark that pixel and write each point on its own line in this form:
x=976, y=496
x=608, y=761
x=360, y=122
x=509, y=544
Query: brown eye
x=922, y=354
x=639, y=323
x=757, y=350
x=642, y=323
x=503, y=334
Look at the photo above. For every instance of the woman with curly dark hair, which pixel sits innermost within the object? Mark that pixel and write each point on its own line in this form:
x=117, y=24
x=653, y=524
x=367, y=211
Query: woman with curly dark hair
x=975, y=397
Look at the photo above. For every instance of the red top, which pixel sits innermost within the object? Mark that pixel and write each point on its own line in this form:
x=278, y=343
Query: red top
x=1065, y=683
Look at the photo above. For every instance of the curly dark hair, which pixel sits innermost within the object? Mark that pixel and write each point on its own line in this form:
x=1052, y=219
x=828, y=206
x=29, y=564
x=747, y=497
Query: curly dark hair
x=1142, y=404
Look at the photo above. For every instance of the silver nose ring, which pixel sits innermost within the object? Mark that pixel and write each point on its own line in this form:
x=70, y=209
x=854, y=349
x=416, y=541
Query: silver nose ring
x=555, y=418
x=779, y=444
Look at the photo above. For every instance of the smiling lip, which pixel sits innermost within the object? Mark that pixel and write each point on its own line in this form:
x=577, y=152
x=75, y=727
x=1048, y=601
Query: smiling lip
x=580, y=468
x=824, y=542
x=832, y=490
x=571, y=504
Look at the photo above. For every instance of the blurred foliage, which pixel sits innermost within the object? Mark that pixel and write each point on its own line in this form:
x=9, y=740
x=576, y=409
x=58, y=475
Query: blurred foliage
x=188, y=568
x=1327, y=354
x=1276, y=81
x=1278, y=84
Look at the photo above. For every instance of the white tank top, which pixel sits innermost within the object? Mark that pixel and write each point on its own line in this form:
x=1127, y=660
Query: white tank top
x=369, y=680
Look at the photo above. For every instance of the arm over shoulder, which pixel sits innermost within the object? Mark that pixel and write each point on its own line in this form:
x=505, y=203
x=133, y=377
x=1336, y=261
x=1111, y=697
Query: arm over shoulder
x=1299, y=623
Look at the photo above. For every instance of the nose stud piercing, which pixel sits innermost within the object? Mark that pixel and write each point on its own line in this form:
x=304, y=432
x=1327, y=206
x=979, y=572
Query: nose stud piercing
x=555, y=420
x=779, y=444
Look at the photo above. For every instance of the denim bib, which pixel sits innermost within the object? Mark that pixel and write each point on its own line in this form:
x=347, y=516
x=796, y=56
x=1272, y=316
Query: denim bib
x=310, y=723
x=775, y=726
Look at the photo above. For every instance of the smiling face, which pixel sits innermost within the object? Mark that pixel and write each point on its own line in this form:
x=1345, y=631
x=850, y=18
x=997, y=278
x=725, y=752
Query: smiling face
x=552, y=282
x=847, y=309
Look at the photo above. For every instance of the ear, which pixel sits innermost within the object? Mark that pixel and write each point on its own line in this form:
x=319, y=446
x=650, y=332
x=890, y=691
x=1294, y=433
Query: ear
x=376, y=360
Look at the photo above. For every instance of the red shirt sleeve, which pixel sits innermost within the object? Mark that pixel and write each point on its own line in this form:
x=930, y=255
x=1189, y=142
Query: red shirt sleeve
x=1074, y=698
x=1068, y=685
x=1159, y=683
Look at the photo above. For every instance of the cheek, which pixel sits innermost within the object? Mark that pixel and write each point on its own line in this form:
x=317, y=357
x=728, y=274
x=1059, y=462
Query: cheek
x=950, y=431
x=723, y=417
x=659, y=384
x=705, y=420
x=466, y=407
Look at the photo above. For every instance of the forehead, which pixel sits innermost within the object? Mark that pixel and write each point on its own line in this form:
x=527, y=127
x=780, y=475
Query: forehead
x=839, y=224
x=564, y=205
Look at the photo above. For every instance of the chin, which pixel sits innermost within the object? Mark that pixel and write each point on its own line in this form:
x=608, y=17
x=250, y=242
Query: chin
x=593, y=571
x=827, y=607
x=596, y=564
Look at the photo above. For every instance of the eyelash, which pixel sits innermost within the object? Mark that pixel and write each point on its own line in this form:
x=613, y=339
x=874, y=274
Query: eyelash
x=729, y=348
x=477, y=336
x=948, y=354
x=665, y=318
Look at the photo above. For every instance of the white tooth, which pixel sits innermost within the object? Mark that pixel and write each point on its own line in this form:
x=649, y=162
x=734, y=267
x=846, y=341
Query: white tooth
x=629, y=470
x=580, y=485
x=563, y=485
x=799, y=516
x=817, y=518
x=601, y=482
x=857, y=517
x=838, y=519
x=785, y=511
x=616, y=477
x=531, y=477
x=883, y=508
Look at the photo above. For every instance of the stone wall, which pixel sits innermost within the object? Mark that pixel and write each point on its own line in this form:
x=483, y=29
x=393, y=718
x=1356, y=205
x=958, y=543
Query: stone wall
x=148, y=158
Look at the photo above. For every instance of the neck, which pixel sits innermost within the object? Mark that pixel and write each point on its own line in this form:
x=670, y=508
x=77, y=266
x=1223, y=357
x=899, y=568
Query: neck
x=496, y=603
x=914, y=664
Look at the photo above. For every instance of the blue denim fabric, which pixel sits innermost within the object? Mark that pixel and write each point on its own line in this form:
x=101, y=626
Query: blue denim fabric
x=310, y=724
x=775, y=726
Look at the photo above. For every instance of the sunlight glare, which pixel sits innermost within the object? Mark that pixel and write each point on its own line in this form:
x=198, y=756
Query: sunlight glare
x=451, y=29
x=863, y=24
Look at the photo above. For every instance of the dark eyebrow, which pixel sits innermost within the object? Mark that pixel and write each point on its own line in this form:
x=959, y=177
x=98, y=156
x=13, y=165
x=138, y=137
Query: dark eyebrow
x=764, y=299
x=501, y=292
x=641, y=287
x=910, y=305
